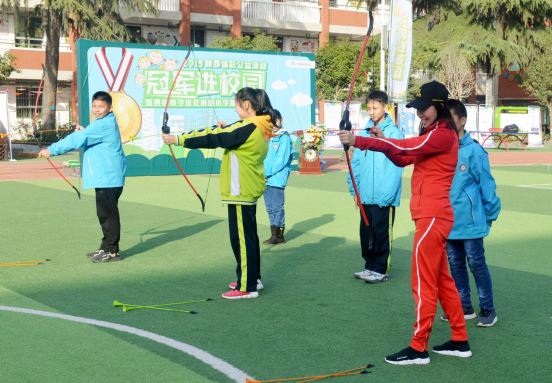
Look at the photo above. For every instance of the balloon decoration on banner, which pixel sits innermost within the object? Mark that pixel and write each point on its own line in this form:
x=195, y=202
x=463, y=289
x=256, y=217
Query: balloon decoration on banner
x=127, y=111
x=514, y=74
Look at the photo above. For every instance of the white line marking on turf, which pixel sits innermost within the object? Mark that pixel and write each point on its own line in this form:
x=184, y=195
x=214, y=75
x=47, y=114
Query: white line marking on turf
x=536, y=186
x=218, y=364
x=532, y=185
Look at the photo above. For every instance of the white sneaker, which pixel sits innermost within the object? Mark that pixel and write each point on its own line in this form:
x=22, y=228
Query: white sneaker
x=362, y=274
x=259, y=285
x=376, y=278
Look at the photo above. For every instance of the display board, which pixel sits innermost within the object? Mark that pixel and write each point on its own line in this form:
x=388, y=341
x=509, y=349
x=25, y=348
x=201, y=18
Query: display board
x=140, y=76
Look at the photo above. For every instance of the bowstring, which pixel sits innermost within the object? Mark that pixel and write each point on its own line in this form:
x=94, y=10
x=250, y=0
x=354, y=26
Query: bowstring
x=216, y=116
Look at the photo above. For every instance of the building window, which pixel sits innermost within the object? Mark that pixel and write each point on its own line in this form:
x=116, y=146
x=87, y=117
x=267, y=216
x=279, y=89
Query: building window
x=136, y=29
x=280, y=43
x=25, y=98
x=30, y=33
x=198, y=37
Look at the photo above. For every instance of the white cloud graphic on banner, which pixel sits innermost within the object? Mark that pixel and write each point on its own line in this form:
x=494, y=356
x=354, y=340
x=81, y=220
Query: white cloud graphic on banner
x=279, y=85
x=291, y=82
x=301, y=99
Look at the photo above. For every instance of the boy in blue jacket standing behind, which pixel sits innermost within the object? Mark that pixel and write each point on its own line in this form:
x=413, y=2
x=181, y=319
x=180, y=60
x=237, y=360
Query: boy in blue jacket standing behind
x=277, y=167
x=476, y=206
x=103, y=168
x=379, y=185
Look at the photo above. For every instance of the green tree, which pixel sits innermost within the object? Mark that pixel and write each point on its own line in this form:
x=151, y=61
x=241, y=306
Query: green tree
x=335, y=66
x=486, y=32
x=6, y=65
x=86, y=19
x=539, y=75
x=456, y=73
x=259, y=42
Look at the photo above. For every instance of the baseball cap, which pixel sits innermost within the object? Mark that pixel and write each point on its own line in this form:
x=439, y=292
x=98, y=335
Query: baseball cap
x=428, y=94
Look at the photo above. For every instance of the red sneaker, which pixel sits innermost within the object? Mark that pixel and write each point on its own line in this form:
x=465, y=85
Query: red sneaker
x=259, y=285
x=234, y=294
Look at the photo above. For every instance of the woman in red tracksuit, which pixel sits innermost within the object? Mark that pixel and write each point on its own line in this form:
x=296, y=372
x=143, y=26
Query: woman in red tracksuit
x=434, y=154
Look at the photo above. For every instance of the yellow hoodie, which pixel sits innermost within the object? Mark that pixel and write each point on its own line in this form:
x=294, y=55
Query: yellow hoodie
x=246, y=145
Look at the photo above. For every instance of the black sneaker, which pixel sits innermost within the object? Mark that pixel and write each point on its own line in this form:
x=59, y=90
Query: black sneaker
x=106, y=257
x=408, y=356
x=487, y=318
x=454, y=348
x=469, y=313
x=93, y=254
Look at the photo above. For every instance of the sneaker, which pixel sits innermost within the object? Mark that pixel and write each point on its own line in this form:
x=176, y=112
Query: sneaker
x=362, y=274
x=469, y=313
x=376, y=278
x=408, y=356
x=259, y=285
x=93, y=254
x=487, y=318
x=454, y=348
x=106, y=257
x=234, y=294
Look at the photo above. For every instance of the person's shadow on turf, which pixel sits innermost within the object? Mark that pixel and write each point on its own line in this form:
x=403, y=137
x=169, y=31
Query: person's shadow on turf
x=168, y=236
x=304, y=227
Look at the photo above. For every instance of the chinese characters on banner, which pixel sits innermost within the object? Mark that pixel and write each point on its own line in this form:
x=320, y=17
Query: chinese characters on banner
x=203, y=94
x=209, y=82
x=400, y=50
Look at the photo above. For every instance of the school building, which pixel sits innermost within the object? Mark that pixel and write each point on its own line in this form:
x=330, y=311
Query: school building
x=300, y=26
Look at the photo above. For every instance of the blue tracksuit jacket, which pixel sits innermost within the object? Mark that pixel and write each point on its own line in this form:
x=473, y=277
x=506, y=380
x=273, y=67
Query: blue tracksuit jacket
x=473, y=193
x=378, y=179
x=277, y=163
x=103, y=159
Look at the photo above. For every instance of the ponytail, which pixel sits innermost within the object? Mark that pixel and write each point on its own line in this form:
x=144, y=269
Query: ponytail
x=259, y=102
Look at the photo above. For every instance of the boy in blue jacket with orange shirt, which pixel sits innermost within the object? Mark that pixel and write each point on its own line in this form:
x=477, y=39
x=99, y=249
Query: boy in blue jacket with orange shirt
x=379, y=185
x=277, y=165
x=103, y=168
x=476, y=206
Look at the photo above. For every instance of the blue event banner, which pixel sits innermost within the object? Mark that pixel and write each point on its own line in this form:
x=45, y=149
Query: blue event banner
x=140, y=78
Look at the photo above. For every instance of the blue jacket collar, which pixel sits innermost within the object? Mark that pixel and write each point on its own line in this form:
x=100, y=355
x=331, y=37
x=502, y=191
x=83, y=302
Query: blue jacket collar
x=386, y=123
x=466, y=140
x=281, y=132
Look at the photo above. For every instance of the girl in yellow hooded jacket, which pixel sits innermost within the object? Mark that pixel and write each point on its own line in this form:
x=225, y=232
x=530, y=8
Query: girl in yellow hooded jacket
x=241, y=180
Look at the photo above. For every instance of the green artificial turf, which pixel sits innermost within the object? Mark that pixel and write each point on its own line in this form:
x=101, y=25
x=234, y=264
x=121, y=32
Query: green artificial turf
x=312, y=317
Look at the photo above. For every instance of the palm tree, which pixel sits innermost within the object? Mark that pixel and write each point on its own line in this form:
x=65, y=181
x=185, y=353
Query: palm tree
x=81, y=18
x=86, y=19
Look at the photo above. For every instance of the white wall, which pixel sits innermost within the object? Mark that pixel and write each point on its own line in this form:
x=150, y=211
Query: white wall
x=62, y=105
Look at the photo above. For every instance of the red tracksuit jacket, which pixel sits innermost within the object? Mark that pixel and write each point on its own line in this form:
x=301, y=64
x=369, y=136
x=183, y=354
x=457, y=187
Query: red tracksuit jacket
x=435, y=155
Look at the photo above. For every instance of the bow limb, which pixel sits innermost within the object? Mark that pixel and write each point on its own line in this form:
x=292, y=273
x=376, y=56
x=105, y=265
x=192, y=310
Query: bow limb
x=345, y=123
x=37, y=132
x=167, y=130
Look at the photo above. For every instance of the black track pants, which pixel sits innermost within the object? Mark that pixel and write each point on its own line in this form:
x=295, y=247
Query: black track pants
x=242, y=222
x=107, y=200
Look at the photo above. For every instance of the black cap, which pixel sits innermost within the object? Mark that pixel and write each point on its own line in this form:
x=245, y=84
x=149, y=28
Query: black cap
x=428, y=94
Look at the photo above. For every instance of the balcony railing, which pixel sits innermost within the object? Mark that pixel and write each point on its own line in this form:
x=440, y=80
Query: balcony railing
x=162, y=6
x=29, y=42
x=301, y=12
x=169, y=5
x=377, y=19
